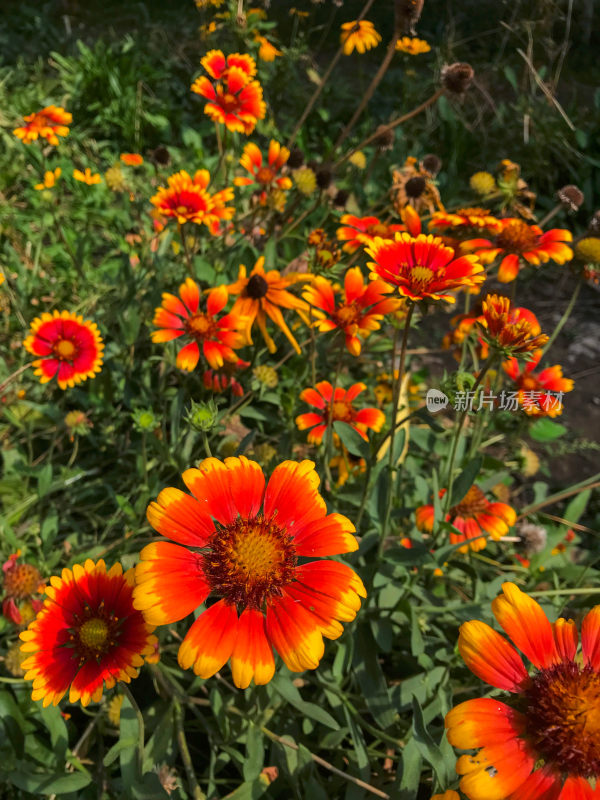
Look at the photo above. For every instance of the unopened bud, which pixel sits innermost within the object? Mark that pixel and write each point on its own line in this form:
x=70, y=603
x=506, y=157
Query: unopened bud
x=202, y=416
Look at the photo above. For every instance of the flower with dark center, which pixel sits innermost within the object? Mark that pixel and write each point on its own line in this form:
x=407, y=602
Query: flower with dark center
x=296, y=158
x=415, y=187
x=338, y=405
x=240, y=542
x=542, y=742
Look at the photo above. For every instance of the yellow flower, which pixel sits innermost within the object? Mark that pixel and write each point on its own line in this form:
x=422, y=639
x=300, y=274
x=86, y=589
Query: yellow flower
x=86, y=176
x=50, y=178
x=207, y=30
x=115, y=180
x=359, y=35
x=267, y=51
x=114, y=709
x=206, y=3
x=305, y=180
x=358, y=159
x=483, y=183
x=412, y=46
x=266, y=375
x=588, y=249
x=298, y=13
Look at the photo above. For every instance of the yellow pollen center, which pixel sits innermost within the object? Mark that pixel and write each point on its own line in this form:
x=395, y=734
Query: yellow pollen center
x=94, y=633
x=200, y=325
x=420, y=276
x=517, y=237
x=348, y=315
x=342, y=411
x=528, y=384
x=65, y=349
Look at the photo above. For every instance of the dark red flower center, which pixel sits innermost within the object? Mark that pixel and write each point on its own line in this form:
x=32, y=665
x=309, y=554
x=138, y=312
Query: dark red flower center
x=93, y=633
x=201, y=326
x=249, y=561
x=348, y=315
x=256, y=287
x=265, y=175
x=474, y=502
x=517, y=237
x=563, y=718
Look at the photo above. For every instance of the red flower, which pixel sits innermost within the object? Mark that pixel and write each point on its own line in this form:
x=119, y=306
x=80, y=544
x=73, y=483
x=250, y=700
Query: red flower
x=359, y=313
x=187, y=200
x=539, y=395
x=360, y=231
x=465, y=218
x=541, y=742
x=132, y=159
x=321, y=397
x=87, y=635
x=241, y=541
x=517, y=241
x=264, y=174
x=222, y=379
x=473, y=517
x=513, y=330
x=235, y=100
x=423, y=267
x=49, y=123
x=179, y=317
x=68, y=346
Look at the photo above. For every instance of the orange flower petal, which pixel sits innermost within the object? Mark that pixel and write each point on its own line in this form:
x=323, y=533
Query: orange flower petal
x=481, y=722
x=490, y=656
x=252, y=657
x=295, y=634
x=209, y=642
x=524, y=621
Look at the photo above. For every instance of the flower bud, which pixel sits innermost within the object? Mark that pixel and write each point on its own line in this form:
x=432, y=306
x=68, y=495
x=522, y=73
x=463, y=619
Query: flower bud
x=202, y=416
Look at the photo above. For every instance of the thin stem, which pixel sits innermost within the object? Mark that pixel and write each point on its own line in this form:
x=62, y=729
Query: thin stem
x=397, y=383
x=140, y=720
x=14, y=375
x=184, y=751
x=550, y=215
x=555, y=499
x=206, y=445
x=329, y=429
x=390, y=126
x=563, y=319
x=186, y=252
x=323, y=81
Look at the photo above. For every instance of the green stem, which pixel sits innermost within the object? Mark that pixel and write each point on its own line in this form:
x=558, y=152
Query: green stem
x=329, y=429
x=206, y=445
x=140, y=719
x=563, y=319
x=184, y=751
x=397, y=384
x=186, y=252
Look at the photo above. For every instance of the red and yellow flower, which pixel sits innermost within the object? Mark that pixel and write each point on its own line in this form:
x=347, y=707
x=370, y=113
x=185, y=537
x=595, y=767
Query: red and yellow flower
x=512, y=330
x=339, y=405
x=67, y=346
x=187, y=199
x=181, y=316
x=132, y=159
x=49, y=123
x=540, y=394
x=423, y=267
x=361, y=231
x=541, y=742
x=360, y=35
x=466, y=218
x=239, y=541
x=360, y=312
x=516, y=242
x=265, y=175
x=474, y=518
x=22, y=582
x=219, y=380
x=263, y=294
x=88, y=635
x=234, y=98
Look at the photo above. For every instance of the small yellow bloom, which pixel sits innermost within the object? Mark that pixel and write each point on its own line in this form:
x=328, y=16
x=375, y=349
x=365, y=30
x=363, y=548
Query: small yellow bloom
x=305, y=180
x=301, y=14
x=588, y=249
x=50, y=178
x=267, y=51
x=483, y=183
x=412, y=46
x=87, y=176
x=115, y=179
x=206, y=3
x=266, y=375
x=114, y=709
x=207, y=30
x=359, y=159
x=359, y=35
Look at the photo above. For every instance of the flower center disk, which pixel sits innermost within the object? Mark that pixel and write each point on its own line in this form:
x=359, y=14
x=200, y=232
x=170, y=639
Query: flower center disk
x=94, y=634
x=257, y=287
x=200, y=326
x=65, y=350
x=517, y=237
x=473, y=502
x=563, y=718
x=250, y=560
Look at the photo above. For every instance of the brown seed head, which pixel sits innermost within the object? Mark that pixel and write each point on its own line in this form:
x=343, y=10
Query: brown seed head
x=385, y=138
x=432, y=164
x=456, y=78
x=570, y=196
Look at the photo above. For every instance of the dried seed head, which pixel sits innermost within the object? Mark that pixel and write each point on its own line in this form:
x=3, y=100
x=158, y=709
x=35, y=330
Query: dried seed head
x=533, y=537
x=296, y=158
x=341, y=198
x=432, y=164
x=456, y=78
x=415, y=187
x=161, y=156
x=594, y=226
x=570, y=196
x=406, y=15
x=385, y=138
x=324, y=176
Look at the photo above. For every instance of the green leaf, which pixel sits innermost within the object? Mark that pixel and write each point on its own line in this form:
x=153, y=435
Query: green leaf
x=44, y=480
x=116, y=749
x=249, y=790
x=371, y=678
x=289, y=692
x=408, y=779
x=577, y=506
x=430, y=751
x=57, y=783
x=465, y=480
x=53, y=720
x=351, y=439
x=545, y=430
x=255, y=753
x=129, y=733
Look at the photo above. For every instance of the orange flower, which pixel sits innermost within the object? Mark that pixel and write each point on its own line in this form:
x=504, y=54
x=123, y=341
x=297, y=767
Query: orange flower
x=263, y=294
x=473, y=517
x=86, y=176
x=267, y=51
x=88, y=635
x=423, y=267
x=49, y=123
x=516, y=241
x=360, y=231
x=540, y=742
x=68, y=346
x=218, y=337
x=539, y=395
x=512, y=330
x=50, y=178
x=462, y=326
x=241, y=541
x=465, y=218
x=265, y=175
x=21, y=582
x=412, y=46
x=234, y=99
x=360, y=35
x=358, y=314
x=187, y=199
x=321, y=398
x=132, y=159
